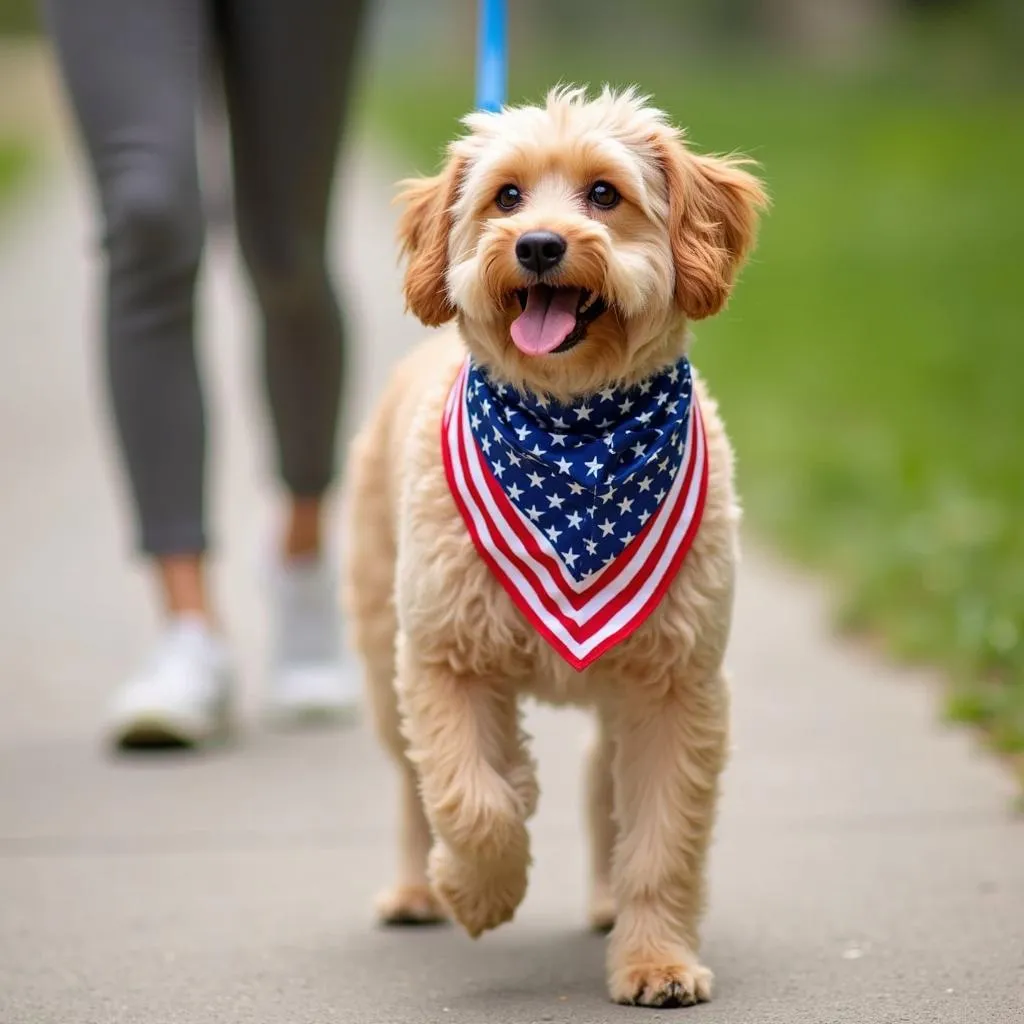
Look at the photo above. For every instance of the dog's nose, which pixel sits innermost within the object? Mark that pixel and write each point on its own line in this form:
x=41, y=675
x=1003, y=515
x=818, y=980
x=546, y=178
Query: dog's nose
x=540, y=250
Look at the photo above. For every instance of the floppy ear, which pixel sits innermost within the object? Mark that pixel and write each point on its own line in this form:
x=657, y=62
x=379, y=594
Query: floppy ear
x=713, y=214
x=423, y=230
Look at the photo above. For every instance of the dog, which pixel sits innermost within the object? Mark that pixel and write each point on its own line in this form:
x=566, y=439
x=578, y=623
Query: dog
x=542, y=504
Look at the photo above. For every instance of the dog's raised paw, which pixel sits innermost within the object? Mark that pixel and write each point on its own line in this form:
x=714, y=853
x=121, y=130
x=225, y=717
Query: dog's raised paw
x=480, y=897
x=661, y=985
x=410, y=905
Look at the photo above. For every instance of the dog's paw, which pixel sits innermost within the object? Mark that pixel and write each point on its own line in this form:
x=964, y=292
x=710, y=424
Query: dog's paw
x=480, y=897
x=410, y=905
x=661, y=984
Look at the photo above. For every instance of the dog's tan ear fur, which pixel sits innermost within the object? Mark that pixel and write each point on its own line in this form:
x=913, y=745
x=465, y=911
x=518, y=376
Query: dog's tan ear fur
x=713, y=215
x=423, y=230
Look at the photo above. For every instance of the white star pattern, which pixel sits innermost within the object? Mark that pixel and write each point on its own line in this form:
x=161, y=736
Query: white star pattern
x=617, y=450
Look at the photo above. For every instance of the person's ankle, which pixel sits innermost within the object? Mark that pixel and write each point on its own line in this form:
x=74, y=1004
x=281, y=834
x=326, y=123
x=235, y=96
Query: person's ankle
x=303, y=535
x=182, y=583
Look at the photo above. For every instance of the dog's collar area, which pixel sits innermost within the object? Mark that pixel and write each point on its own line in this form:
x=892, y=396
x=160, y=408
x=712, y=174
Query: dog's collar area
x=577, y=489
x=640, y=407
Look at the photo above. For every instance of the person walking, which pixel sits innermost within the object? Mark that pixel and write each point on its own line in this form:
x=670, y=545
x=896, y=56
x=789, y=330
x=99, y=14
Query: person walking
x=135, y=74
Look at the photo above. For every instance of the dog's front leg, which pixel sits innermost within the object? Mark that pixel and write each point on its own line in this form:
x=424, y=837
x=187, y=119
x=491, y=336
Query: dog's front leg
x=478, y=787
x=672, y=743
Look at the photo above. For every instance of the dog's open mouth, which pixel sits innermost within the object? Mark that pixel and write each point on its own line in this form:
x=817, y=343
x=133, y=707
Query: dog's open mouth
x=554, y=319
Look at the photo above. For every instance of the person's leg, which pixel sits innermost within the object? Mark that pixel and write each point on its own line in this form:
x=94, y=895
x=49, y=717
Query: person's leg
x=132, y=75
x=288, y=72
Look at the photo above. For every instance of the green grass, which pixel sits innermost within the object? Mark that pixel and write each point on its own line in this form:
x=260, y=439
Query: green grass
x=19, y=17
x=14, y=163
x=871, y=363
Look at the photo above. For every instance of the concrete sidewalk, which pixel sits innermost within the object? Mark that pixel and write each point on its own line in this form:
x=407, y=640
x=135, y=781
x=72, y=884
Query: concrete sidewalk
x=867, y=867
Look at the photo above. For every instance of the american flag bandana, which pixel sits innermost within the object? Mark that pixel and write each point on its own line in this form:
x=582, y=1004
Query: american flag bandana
x=583, y=512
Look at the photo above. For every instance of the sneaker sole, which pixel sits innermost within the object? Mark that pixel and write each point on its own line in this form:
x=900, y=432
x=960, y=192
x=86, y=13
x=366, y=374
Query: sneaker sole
x=157, y=733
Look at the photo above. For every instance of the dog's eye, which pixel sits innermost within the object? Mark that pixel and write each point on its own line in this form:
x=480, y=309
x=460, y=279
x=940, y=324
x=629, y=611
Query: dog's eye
x=604, y=195
x=508, y=197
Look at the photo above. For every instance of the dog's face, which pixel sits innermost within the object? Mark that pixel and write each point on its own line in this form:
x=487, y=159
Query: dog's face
x=573, y=241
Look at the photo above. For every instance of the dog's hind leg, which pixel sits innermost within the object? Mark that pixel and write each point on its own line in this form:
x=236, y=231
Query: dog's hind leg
x=601, y=826
x=410, y=900
x=369, y=585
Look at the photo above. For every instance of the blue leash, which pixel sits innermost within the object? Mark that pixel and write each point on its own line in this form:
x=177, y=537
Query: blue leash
x=491, y=54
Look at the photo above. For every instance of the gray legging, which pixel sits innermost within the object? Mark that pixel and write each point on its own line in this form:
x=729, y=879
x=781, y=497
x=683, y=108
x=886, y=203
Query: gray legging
x=135, y=71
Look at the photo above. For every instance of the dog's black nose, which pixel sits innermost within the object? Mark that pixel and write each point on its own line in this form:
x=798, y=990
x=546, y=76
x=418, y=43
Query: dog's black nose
x=540, y=250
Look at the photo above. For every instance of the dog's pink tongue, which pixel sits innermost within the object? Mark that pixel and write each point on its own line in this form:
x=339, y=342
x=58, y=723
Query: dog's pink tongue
x=548, y=319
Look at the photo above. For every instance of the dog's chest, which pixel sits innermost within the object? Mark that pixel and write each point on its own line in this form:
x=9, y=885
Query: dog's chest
x=454, y=609
x=452, y=606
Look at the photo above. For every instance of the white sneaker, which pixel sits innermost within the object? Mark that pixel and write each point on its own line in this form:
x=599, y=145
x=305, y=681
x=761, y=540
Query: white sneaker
x=182, y=697
x=311, y=677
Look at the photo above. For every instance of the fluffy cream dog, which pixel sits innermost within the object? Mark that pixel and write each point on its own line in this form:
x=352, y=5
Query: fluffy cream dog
x=570, y=243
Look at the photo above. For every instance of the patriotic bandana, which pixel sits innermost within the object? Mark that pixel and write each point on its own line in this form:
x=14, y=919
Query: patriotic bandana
x=584, y=512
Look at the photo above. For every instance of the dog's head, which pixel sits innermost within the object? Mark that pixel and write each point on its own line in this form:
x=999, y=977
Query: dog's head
x=574, y=240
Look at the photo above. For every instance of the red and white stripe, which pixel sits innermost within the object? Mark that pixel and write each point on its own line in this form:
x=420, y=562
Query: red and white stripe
x=581, y=619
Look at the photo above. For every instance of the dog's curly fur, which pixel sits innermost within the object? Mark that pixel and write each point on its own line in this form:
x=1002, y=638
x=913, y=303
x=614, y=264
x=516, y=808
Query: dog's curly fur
x=446, y=652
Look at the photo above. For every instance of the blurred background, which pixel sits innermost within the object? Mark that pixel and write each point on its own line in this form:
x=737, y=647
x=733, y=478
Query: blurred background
x=870, y=364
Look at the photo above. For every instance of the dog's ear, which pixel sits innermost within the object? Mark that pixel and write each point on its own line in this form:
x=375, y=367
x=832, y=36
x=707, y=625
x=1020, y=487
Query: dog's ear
x=423, y=230
x=713, y=214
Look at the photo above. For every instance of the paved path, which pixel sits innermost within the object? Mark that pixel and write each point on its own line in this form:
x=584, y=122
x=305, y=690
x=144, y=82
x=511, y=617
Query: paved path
x=867, y=869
